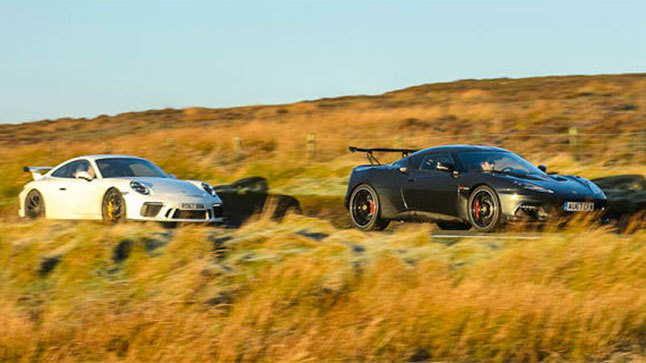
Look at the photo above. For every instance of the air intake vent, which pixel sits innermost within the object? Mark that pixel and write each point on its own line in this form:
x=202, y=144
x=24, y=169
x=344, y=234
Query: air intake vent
x=189, y=214
x=150, y=209
x=217, y=211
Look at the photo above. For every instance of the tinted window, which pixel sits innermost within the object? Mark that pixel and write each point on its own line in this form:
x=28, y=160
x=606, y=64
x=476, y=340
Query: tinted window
x=129, y=167
x=415, y=160
x=497, y=161
x=429, y=161
x=69, y=170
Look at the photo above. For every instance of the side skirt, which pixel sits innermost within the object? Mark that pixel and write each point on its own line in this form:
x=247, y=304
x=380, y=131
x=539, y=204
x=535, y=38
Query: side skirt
x=418, y=216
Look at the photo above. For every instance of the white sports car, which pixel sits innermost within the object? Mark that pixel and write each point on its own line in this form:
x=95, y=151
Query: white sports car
x=115, y=188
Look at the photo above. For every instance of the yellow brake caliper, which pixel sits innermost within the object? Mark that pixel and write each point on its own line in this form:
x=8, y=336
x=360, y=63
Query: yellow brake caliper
x=110, y=209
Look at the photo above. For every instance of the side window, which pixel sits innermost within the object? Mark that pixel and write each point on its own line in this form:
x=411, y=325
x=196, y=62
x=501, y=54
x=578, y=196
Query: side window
x=429, y=162
x=414, y=161
x=69, y=170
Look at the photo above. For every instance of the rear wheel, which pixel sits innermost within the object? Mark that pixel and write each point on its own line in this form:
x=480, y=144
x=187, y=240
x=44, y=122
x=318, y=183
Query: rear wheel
x=365, y=210
x=34, y=205
x=113, y=208
x=484, y=209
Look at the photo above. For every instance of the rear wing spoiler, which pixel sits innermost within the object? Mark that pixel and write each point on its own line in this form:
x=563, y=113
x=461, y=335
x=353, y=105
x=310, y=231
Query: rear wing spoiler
x=373, y=160
x=35, y=170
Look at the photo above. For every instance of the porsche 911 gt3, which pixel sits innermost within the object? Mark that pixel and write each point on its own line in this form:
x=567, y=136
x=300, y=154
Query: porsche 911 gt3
x=114, y=188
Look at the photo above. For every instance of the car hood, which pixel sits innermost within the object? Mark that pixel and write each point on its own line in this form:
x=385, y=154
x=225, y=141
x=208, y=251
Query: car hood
x=167, y=186
x=564, y=186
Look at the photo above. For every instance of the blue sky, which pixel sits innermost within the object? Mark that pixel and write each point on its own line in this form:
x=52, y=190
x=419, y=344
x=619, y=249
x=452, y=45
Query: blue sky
x=86, y=58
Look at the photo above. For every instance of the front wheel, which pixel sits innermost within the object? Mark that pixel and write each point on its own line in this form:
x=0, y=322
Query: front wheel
x=113, y=208
x=484, y=209
x=365, y=210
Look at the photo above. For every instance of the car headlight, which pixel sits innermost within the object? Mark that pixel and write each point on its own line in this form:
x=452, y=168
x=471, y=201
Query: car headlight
x=209, y=189
x=535, y=188
x=139, y=188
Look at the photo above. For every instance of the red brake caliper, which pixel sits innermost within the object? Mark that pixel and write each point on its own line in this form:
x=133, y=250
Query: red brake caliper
x=372, y=207
x=478, y=209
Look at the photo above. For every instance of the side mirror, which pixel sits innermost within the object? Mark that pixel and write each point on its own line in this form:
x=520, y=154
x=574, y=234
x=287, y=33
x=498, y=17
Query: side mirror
x=444, y=166
x=403, y=170
x=172, y=176
x=84, y=175
x=543, y=168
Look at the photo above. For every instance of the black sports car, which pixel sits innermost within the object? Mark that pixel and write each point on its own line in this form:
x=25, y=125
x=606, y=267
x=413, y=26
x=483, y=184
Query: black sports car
x=463, y=186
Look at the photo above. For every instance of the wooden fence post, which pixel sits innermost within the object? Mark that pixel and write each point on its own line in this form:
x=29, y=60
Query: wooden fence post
x=311, y=145
x=237, y=147
x=399, y=141
x=573, y=141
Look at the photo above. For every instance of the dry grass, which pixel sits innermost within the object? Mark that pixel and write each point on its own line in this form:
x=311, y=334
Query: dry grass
x=272, y=291
x=269, y=292
x=196, y=143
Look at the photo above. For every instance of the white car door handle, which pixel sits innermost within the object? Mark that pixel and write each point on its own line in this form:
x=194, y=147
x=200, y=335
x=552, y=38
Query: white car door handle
x=62, y=188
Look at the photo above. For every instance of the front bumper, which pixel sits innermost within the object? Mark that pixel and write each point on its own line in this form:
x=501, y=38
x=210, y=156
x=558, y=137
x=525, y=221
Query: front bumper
x=195, y=209
x=521, y=207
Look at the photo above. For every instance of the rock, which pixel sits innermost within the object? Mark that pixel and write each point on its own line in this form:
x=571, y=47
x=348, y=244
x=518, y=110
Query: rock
x=626, y=194
x=48, y=264
x=317, y=236
x=223, y=300
x=122, y=251
x=246, y=197
x=421, y=355
x=219, y=249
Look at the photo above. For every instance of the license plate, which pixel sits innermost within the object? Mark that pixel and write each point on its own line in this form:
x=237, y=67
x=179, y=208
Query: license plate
x=578, y=206
x=192, y=206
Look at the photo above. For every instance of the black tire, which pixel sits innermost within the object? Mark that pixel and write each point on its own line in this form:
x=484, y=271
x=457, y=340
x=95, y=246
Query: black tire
x=113, y=207
x=483, y=209
x=454, y=226
x=34, y=205
x=365, y=209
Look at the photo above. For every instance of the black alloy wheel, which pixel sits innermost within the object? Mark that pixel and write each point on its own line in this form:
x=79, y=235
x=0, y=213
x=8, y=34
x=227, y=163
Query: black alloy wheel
x=484, y=209
x=34, y=205
x=365, y=209
x=113, y=208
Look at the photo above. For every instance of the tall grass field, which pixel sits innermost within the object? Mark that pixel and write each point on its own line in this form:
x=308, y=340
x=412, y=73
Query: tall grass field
x=308, y=287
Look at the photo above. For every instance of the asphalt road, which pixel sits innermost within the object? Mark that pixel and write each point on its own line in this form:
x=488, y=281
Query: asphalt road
x=467, y=234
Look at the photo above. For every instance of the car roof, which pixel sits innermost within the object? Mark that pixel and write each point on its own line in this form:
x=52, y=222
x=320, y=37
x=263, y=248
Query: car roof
x=94, y=158
x=103, y=156
x=460, y=148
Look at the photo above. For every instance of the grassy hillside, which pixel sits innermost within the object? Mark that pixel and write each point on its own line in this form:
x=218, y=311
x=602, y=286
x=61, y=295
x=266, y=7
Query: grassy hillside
x=531, y=116
x=306, y=288
x=303, y=290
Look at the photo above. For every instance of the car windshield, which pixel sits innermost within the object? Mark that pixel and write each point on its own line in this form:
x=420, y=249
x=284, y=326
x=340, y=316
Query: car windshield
x=129, y=167
x=497, y=161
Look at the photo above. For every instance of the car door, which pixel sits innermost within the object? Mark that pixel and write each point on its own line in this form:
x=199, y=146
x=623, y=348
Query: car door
x=75, y=198
x=432, y=189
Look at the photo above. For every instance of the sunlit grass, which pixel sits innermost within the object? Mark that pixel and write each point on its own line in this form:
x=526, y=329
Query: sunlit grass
x=302, y=289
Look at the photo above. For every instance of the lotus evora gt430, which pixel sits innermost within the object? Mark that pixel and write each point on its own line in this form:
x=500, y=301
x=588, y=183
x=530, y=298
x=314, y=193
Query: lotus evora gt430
x=463, y=186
